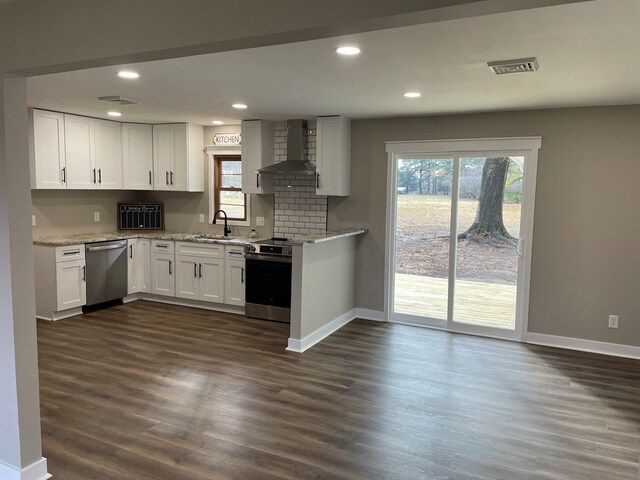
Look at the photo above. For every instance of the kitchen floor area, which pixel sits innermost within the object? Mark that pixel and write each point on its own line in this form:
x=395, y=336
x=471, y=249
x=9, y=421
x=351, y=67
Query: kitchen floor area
x=148, y=390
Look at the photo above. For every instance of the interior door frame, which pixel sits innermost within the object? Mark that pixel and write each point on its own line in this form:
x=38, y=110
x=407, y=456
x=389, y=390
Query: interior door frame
x=521, y=146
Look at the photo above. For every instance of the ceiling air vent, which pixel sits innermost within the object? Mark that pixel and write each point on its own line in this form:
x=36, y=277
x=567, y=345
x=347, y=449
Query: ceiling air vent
x=521, y=65
x=118, y=100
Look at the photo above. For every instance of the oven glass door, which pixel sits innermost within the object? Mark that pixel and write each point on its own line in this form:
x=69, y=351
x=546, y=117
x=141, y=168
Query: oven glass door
x=268, y=283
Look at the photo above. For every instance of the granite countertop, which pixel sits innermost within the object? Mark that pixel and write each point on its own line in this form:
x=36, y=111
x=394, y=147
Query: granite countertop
x=64, y=240
x=331, y=235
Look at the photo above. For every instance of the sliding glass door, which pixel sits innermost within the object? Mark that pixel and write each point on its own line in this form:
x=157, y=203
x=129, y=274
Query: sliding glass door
x=459, y=224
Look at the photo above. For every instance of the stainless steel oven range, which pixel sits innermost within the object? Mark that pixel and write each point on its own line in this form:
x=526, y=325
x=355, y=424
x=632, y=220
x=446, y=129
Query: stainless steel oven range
x=268, y=280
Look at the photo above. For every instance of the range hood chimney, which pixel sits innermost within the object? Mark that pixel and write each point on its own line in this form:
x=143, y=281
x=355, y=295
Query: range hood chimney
x=295, y=164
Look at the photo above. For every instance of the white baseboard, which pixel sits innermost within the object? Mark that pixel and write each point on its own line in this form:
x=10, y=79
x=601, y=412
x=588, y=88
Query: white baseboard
x=35, y=471
x=374, y=315
x=614, y=349
x=218, y=307
x=72, y=312
x=320, y=334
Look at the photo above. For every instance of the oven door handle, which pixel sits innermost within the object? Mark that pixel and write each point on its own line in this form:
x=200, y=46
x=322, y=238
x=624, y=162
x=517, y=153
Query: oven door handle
x=267, y=258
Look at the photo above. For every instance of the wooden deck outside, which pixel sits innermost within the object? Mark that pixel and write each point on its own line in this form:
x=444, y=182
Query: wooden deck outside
x=477, y=303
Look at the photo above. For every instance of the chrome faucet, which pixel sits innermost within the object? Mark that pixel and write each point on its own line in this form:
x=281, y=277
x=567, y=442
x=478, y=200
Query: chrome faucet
x=227, y=229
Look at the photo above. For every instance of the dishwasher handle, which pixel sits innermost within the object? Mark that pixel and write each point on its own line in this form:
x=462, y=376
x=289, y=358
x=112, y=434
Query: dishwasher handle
x=107, y=247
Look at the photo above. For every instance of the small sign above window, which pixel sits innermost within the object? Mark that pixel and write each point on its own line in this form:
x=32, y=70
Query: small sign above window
x=227, y=139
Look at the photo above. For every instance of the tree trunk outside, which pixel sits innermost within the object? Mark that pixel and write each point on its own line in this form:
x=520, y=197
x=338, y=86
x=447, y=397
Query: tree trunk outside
x=488, y=226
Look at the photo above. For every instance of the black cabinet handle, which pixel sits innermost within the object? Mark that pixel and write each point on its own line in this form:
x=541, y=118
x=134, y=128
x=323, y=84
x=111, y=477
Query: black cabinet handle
x=241, y=274
x=94, y=175
x=195, y=270
x=257, y=180
x=171, y=176
x=200, y=271
x=84, y=274
x=131, y=251
x=170, y=271
x=317, y=180
x=150, y=183
x=166, y=177
x=64, y=174
x=99, y=175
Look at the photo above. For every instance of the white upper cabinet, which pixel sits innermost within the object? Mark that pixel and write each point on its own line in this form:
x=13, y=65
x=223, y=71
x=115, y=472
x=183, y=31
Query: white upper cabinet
x=137, y=156
x=178, y=157
x=108, y=154
x=93, y=153
x=47, y=153
x=257, y=152
x=79, y=146
x=333, y=156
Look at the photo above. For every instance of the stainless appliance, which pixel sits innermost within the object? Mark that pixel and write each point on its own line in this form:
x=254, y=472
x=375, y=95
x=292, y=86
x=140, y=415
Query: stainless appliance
x=268, y=280
x=295, y=163
x=106, y=271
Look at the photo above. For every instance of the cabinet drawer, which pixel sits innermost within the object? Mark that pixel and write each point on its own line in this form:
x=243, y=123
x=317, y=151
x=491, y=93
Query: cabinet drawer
x=234, y=252
x=70, y=252
x=203, y=250
x=162, y=246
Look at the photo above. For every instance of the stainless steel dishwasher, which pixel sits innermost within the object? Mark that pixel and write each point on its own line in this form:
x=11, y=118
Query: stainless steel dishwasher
x=106, y=271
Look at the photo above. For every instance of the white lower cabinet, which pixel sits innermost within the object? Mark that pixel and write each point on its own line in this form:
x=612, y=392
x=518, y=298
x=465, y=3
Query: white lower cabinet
x=60, y=274
x=163, y=268
x=234, y=275
x=200, y=272
x=71, y=285
x=139, y=266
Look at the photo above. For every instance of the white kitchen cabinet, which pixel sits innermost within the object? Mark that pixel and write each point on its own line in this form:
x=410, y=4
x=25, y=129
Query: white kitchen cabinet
x=137, y=156
x=71, y=284
x=178, y=157
x=47, y=150
x=200, y=271
x=234, y=275
x=93, y=153
x=107, y=157
x=60, y=275
x=163, y=268
x=257, y=152
x=333, y=156
x=79, y=147
x=139, y=266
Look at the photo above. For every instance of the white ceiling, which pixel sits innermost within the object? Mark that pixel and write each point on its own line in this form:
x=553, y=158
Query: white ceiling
x=588, y=55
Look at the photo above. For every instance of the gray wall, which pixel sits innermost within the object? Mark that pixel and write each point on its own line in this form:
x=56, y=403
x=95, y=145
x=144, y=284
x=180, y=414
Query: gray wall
x=585, y=261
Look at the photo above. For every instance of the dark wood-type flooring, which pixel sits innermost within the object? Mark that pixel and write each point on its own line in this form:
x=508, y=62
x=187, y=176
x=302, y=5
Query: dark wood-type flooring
x=151, y=391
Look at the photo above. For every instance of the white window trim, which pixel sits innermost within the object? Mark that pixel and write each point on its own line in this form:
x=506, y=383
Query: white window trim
x=212, y=151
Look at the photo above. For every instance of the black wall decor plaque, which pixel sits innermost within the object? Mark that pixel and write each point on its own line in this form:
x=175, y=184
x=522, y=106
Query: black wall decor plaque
x=141, y=216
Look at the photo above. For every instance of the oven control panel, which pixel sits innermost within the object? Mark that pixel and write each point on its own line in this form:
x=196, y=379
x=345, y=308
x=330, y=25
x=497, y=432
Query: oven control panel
x=269, y=249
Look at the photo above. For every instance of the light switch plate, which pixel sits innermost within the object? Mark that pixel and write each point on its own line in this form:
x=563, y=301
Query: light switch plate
x=96, y=216
x=201, y=217
x=33, y=220
x=260, y=221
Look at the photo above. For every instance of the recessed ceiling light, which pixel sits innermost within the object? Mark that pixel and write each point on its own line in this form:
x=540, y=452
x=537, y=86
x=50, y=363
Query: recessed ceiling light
x=218, y=122
x=239, y=106
x=413, y=94
x=346, y=50
x=128, y=74
x=114, y=114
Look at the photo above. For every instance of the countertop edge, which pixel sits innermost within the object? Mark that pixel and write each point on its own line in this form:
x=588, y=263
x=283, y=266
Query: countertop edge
x=329, y=236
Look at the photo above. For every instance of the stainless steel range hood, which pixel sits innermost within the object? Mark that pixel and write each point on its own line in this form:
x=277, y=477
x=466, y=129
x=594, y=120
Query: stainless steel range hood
x=295, y=164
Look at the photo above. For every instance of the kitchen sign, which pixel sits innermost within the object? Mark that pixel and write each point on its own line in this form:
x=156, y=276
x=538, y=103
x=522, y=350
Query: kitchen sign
x=227, y=139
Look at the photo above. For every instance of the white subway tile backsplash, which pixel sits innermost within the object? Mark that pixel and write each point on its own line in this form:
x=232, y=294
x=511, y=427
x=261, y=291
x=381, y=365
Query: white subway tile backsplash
x=298, y=210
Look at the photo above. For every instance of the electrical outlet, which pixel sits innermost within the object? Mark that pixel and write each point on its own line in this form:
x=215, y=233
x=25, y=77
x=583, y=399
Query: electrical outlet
x=33, y=220
x=96, y=216
x=201, y=217
x=260, y=221
x=613, y=321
